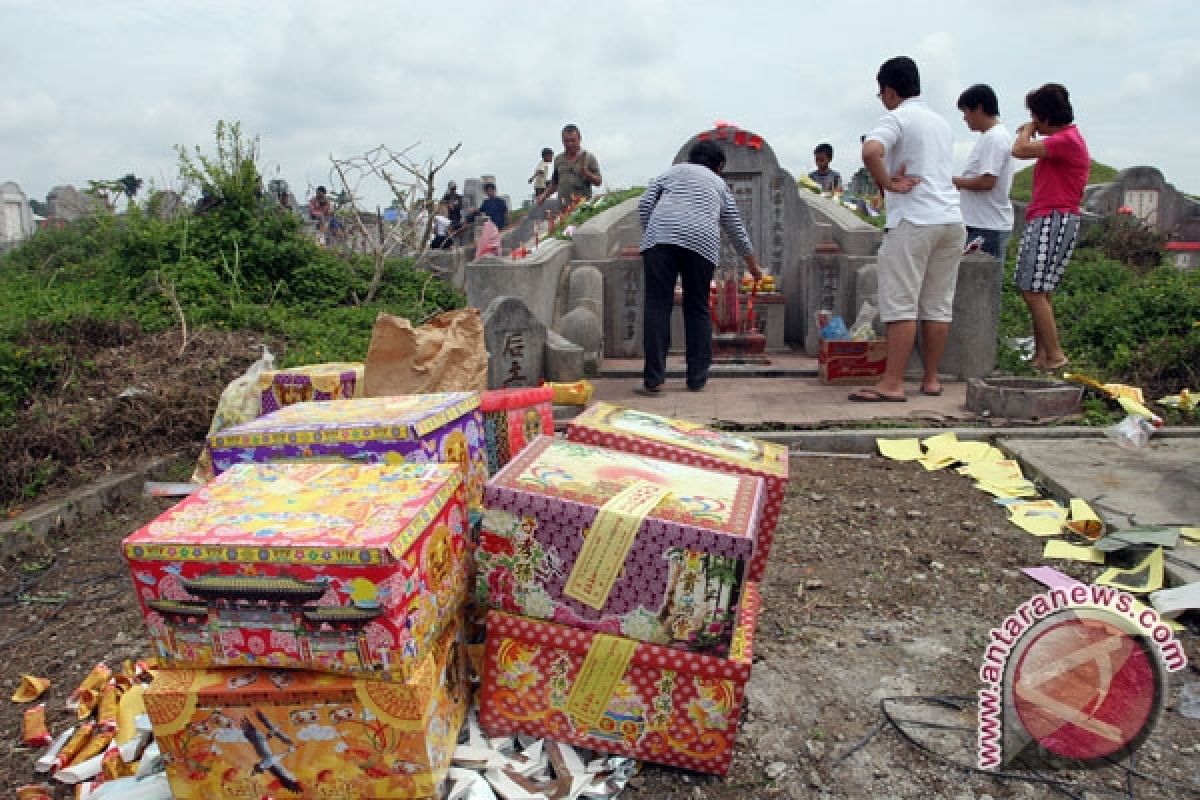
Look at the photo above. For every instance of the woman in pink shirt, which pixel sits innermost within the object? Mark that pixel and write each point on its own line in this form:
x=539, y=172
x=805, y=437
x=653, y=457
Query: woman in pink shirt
x=1052, y=219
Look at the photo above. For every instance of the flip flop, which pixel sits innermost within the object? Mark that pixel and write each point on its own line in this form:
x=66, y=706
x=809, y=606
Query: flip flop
x=933, y=392
x=875, y=396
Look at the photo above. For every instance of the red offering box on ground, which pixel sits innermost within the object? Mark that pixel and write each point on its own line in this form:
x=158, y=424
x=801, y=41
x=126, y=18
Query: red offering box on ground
x=669, y=706
x=231, y=734
x=417, y=429
x=689, y=443
x=679, y=583
x=850, y=362
x=337, y=567
x=512, y=418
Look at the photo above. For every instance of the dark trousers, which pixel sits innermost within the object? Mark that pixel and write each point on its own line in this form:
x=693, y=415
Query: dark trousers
x=663, y=264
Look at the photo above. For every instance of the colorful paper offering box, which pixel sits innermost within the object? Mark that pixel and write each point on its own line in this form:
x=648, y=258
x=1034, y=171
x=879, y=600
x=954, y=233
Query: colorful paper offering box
x=253, y=733
x=616, y=695
x=618, y=543
x=688, y=443
x=417, y=428
x=285, y=387
x=338, y=567
x=512, y=418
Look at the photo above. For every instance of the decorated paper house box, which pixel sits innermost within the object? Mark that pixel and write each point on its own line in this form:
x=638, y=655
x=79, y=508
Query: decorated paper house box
x=616, y=695
x=332, y=381
x=339, y=567
x=634, y=431
x=618, y=543
x=417, y=428
x=512, y=418
x=253, y=733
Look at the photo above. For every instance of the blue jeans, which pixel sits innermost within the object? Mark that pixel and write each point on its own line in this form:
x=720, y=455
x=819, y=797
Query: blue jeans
x=995, y=243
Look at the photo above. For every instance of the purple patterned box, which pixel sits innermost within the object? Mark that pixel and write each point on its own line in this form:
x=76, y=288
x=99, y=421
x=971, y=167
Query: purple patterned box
x=420, y=428
x=679, y=584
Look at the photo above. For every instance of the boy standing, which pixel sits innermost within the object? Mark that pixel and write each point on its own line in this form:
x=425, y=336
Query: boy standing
x=987, y=179
x=828, y=179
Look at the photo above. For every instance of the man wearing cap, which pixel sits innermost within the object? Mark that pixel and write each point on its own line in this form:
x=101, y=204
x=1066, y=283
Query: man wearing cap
x=454, y=206
x=576, y=171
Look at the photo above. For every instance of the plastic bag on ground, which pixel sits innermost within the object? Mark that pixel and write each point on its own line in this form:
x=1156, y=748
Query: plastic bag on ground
x=239, y=403
x=1132, y=433
x=863, y=328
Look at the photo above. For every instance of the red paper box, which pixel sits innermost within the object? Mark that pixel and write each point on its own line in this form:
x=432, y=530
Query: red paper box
x=512, y=418
x=634, y=431
x=245, y=734
x=850, y=362
x=679, y=582
x=669, y=706
x=337, y=567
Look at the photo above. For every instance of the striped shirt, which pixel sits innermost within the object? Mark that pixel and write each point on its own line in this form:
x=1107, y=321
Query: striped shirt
x=688, y=205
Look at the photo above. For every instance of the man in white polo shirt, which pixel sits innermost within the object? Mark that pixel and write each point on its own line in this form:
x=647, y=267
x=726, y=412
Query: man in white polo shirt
x=987, y=179
x=910, y=155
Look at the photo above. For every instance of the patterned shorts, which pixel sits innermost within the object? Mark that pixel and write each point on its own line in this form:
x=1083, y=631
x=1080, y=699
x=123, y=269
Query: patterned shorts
x=1046, y=246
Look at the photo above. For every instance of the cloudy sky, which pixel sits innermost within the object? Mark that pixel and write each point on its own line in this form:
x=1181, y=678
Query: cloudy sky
x=96, y=90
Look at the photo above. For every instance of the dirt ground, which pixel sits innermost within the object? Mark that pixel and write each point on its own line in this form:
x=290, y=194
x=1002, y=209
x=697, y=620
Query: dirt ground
x=884, y=582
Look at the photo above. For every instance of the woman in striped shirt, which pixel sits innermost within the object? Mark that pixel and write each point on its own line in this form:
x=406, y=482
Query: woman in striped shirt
x=682, y=214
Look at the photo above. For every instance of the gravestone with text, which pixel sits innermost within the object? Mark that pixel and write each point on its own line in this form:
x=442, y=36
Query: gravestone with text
x=515, y=341
x=16, y=217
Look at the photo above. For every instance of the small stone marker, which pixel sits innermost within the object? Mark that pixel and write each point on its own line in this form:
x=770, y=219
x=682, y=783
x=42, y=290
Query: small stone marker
x=515, y=341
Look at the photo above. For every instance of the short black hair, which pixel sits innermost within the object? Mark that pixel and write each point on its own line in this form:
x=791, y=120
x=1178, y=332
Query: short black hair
x=979, y=96
x=826, y=148
x=707, y=153
x=900, y=73
x=320, y=188
x=546, y=151
x=571, y=127
x=1051, y=104
x=489, y=185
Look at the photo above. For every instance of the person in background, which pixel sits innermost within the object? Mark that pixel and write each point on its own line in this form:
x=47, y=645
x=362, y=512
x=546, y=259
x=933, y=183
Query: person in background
x=683, y=212
x=320, y=209
x=910, y=155
x=494, y=207
x=987, y=178
x=541, y=173
x=829, y=180
x=1052, y=218
x=453, y=201
x=441, y=229
x=576, y=171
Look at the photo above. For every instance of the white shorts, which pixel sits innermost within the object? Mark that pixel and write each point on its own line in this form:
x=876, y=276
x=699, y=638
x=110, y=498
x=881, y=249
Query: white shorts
x=918, y=271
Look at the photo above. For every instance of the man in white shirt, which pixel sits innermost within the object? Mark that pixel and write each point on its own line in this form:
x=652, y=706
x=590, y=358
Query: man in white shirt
x=910, y=155
x=987, y=179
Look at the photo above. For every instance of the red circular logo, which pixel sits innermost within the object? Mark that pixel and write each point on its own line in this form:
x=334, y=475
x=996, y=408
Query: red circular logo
x=1085, y=685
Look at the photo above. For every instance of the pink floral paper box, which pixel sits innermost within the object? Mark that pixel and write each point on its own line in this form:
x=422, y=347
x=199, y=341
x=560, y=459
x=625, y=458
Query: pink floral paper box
x=684, y=442
x=418, y=428
x=336, y=567
x=680, y=583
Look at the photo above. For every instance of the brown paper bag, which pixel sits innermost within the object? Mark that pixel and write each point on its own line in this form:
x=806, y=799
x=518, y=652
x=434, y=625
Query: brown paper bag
x=448, y=354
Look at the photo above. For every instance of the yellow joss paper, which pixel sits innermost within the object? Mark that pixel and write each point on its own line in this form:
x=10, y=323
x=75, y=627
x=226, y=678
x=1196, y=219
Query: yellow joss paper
x=937, y=461
x=1190, y=533
x=1120, y=390
x=899, y=449
x=31, y=689
x=1145, y=576
x=1084, y=521
x=941, y=443
x=1057, y=548
x=131, y=705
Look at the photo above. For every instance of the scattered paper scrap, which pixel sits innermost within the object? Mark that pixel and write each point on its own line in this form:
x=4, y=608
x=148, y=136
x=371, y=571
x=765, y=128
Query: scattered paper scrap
x=1083, y=520
x=1050, y=577
x=1156, y=535
x=1145, y=576
x=1040, y=517
x=937, y=461
x=940, y=444
x=1057, y=548
x=1170, y=603
x=32, y=687
x=1190, y=533
x=899, y=449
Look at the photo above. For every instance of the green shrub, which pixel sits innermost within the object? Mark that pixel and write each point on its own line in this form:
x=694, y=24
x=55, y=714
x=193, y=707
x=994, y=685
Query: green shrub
x=1127, y=239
